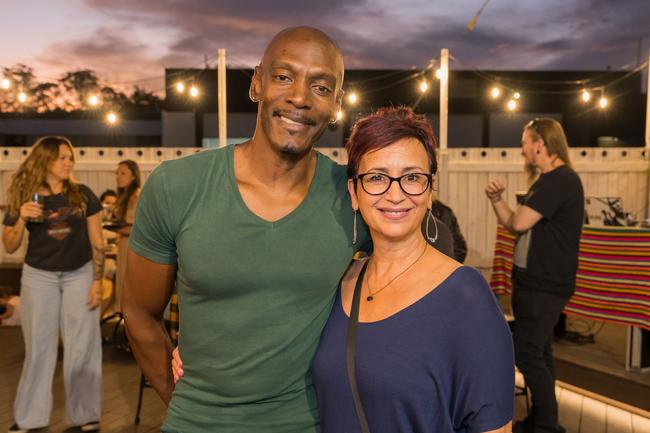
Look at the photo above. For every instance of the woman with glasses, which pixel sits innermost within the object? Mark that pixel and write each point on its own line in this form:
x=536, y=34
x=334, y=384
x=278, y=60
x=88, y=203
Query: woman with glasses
x=432, y=352
x=548, y=223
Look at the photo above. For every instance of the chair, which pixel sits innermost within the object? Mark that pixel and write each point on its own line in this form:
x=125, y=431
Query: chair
x=172, y=328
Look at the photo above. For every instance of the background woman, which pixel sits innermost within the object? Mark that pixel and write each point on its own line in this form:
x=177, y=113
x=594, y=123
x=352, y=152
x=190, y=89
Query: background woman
x=60, y=286
x=127, y=177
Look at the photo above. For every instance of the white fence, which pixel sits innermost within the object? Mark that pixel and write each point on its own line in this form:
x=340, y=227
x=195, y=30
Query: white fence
x=622, y=172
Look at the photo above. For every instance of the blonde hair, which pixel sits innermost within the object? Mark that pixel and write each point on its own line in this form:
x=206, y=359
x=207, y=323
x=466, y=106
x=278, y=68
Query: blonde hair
x=32, y=175
x=551, y=133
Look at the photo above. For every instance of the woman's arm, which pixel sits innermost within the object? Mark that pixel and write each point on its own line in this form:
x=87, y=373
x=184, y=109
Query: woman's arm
x=94, y=223
x=12, y=236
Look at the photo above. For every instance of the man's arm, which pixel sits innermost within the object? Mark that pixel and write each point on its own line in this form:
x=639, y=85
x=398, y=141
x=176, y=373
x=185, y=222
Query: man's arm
x=147, y=289
x=519, y=221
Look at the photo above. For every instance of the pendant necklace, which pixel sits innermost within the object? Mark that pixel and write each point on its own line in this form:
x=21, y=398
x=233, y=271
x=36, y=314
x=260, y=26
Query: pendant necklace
x=371, y=295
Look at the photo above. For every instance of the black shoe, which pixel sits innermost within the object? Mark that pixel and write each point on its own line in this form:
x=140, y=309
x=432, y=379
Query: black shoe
x=15, y=429
x=525, y=426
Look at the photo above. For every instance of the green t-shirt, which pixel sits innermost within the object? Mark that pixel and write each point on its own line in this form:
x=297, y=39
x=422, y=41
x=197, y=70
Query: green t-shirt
x=254, y=295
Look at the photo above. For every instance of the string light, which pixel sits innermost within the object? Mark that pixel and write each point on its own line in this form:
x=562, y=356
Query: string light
x=495, y=92
x=424, y=86
x=93, y=100
x=180, y=87
x=22, y=97
x=602, y=103
x=112, y=118
x=586, y=96
x=353, y=98
x=442, y=73
x=339, y=115
x=512, y=105
x=5, y=84
x=516, y=95
x=194, y=91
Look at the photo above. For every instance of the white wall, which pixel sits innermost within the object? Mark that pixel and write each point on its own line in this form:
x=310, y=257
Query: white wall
x=620, y=172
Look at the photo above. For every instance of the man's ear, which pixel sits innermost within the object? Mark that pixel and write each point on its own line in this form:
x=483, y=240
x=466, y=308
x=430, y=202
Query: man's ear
x=255, y=89
x=339, y=98
x=339, y=103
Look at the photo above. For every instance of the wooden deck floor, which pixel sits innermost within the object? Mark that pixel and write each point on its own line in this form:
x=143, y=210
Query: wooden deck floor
x=578, y=413
x=121, y=384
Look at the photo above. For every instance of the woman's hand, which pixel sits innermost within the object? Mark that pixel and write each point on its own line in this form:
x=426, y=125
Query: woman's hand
x=30, y=210
x=95, y=295
x=177, y=365
x=494, y=189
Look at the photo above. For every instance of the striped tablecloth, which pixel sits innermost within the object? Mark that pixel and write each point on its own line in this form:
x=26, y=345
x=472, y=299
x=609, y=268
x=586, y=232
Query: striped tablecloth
x=613, y=279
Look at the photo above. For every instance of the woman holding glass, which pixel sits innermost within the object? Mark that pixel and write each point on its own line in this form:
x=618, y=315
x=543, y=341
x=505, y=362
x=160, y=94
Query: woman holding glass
x=60, y=286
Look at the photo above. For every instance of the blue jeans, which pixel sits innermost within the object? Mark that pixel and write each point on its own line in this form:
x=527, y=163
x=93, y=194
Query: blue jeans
x=53, y=301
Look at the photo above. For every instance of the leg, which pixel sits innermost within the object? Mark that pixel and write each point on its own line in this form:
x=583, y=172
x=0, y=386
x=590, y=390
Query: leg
x=535, y=316
x=82, y=361
x=41, y=299
x=548, y=356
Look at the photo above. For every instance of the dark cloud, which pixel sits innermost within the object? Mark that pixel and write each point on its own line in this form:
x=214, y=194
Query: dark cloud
x=104, y=42
x=110, y=52
x=536, y=34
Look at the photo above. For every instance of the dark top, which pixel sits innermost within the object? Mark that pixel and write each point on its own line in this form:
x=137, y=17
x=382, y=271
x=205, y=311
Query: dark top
x=444, y=364
x=61, y=242
x=453, y=238
x=552, y=259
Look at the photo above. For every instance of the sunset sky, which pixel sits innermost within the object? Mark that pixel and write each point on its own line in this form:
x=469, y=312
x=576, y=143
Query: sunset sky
x=131, y=42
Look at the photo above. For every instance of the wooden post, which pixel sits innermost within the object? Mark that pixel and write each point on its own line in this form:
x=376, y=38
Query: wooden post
x=647, y=131
x=443, y=158
x=221, y=97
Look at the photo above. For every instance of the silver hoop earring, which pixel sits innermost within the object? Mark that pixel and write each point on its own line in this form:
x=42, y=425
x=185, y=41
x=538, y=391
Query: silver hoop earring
x=429, y=218
x=354, y=229
x=250, y=95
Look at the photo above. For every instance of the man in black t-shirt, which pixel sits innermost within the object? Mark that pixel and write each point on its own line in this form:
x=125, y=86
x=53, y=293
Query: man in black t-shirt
x=548, y=222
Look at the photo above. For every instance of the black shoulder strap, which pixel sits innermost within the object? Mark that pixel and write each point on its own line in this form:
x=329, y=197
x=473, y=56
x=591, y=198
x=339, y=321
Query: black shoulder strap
x=351, y=350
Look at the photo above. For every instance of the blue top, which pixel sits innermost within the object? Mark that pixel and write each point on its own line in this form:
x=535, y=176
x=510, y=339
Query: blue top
x=443, y=364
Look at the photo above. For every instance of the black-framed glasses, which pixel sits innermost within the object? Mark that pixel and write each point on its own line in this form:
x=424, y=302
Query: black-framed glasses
x=378, y=183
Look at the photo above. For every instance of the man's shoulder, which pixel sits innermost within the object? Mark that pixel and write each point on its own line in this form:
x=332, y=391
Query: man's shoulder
x=336, y=172
x=180, y=177
x=193, y=162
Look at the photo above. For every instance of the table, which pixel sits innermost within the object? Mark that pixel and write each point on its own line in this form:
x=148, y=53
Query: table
x=612, y=282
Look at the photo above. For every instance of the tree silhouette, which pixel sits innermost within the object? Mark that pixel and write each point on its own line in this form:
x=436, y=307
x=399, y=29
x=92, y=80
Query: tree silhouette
x=71, y=92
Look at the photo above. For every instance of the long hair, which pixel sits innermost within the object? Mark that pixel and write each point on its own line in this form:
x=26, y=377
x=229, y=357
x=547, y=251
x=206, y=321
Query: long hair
x=124, y=194
x=551, y=133
x=32, y=175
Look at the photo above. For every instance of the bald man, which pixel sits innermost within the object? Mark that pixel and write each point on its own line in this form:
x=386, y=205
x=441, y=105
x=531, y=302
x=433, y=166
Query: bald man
x=255, y=237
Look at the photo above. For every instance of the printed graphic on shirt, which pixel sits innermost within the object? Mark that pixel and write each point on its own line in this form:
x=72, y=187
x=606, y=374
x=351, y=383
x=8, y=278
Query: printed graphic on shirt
x=58, y=226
